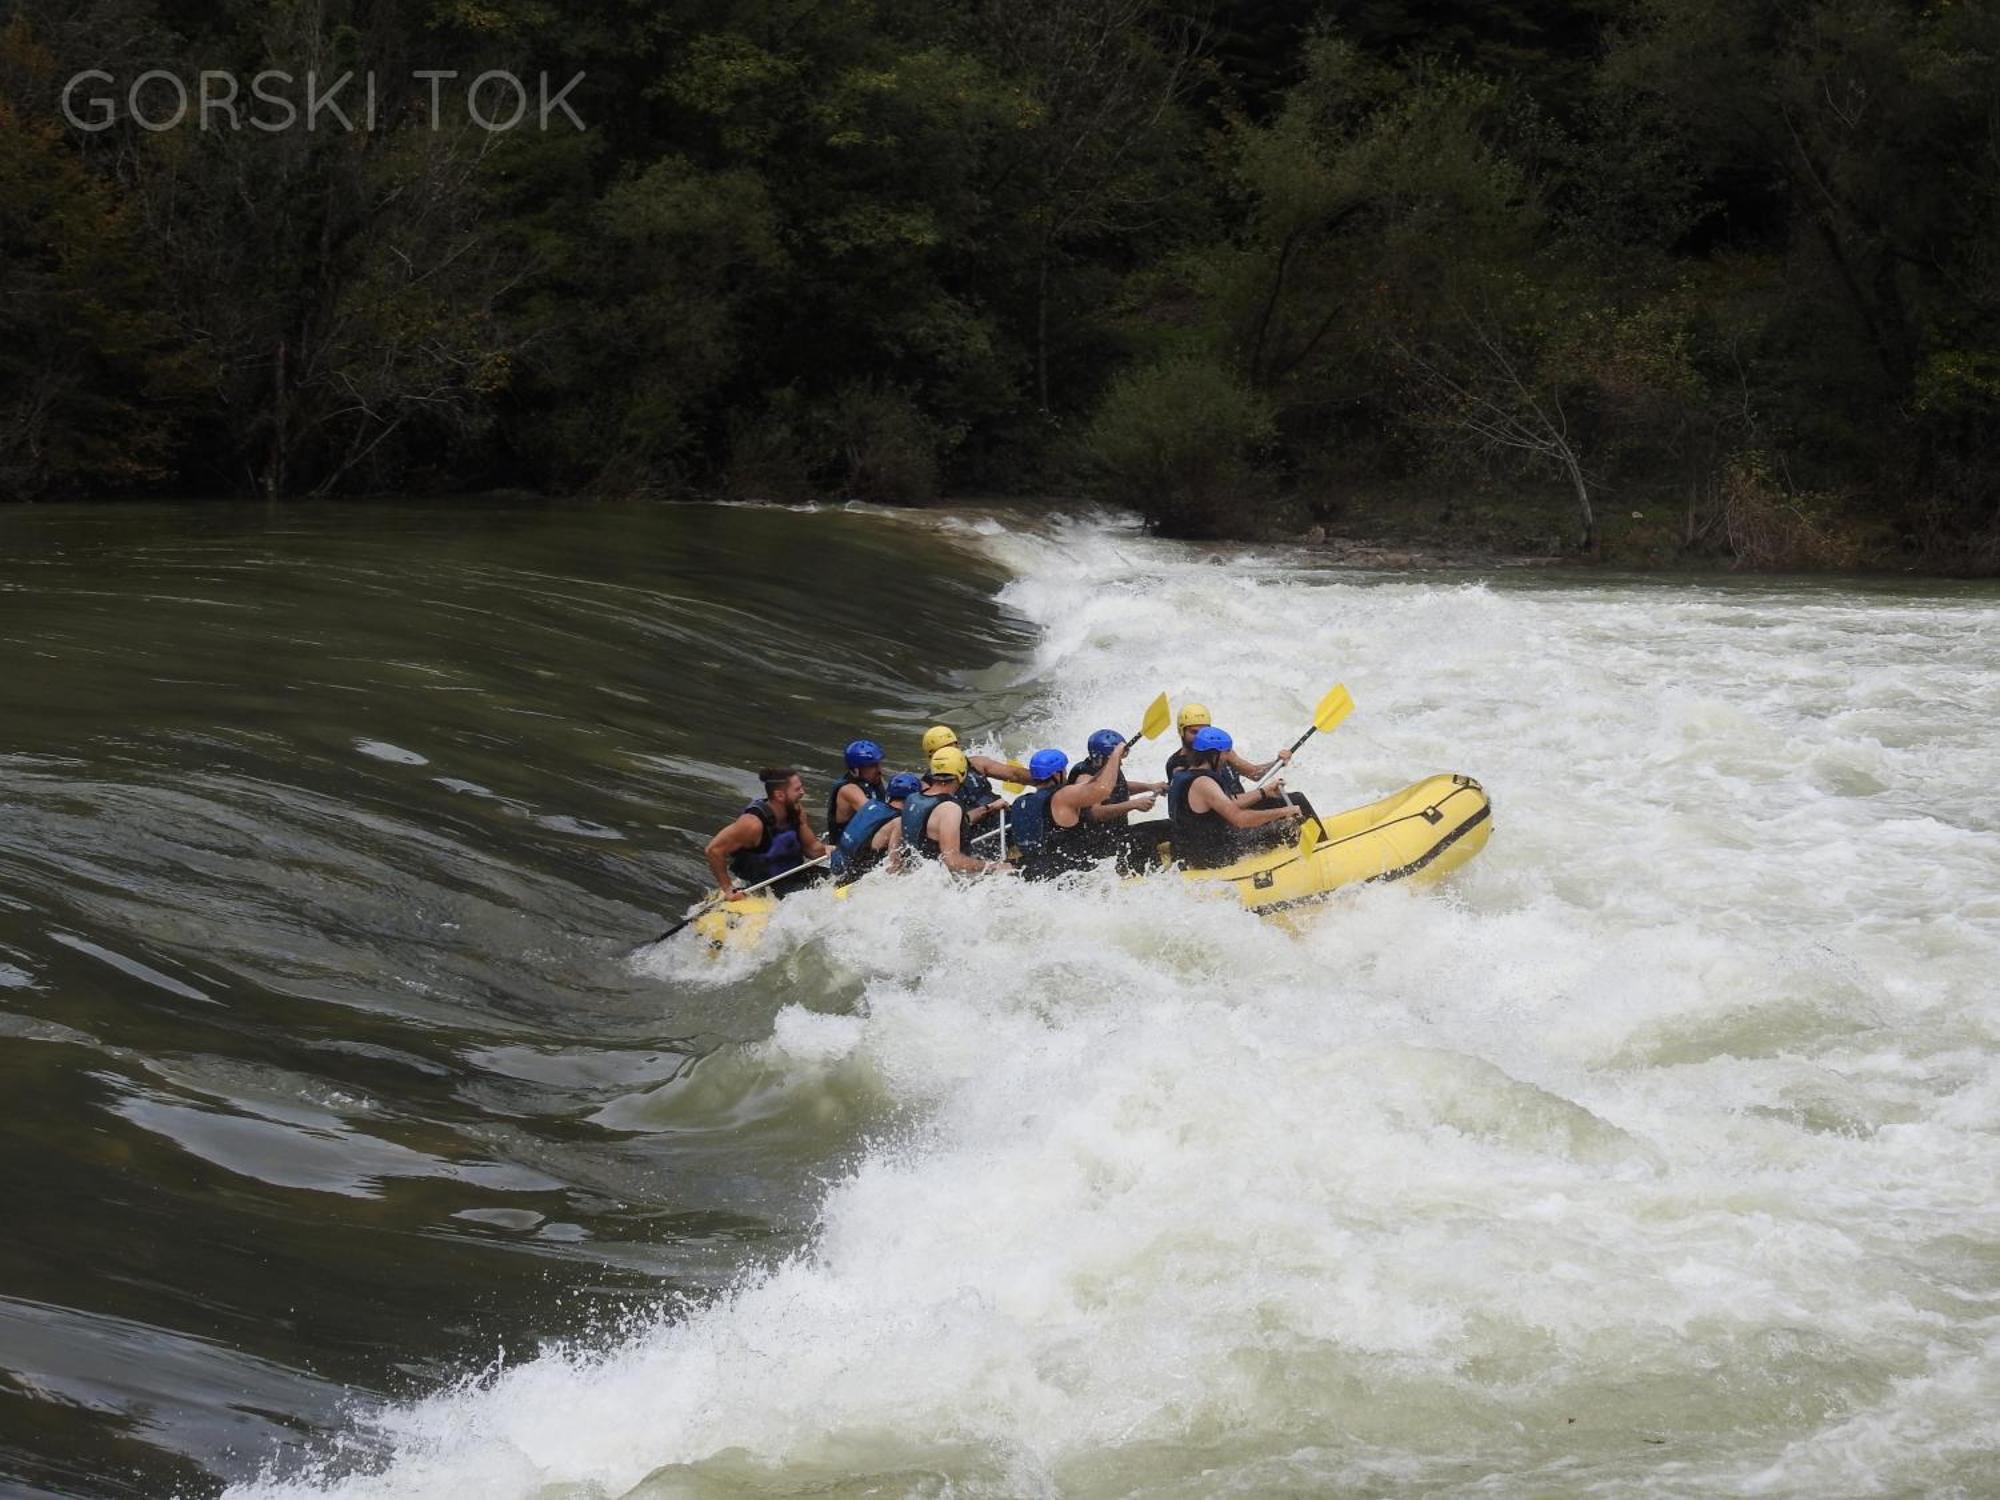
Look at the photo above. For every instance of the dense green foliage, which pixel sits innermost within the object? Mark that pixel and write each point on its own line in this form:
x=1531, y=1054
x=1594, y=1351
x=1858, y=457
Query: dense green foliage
x=1684, y=275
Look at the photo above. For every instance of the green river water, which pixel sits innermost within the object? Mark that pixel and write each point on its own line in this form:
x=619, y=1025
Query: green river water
x=324, y=834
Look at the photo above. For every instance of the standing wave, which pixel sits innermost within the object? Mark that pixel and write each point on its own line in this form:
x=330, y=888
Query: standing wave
x=1654, y=1155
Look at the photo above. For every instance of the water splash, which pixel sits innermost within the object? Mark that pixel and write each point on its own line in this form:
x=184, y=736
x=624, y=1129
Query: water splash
x=1654, y=1156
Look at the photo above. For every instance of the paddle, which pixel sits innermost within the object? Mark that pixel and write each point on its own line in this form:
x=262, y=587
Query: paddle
x=1159, y=714
x=1335, y=706
x=714, y=901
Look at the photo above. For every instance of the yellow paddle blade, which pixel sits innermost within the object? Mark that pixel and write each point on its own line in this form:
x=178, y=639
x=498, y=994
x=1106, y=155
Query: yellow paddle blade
x=1012, y=788
x=1334, y=707
x=1309, y=838
x=1158, y=717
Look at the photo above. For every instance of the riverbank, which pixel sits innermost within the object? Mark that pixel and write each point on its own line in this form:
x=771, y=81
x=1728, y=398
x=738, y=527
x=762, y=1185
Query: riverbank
x=1744, y=527
x=1418, y=526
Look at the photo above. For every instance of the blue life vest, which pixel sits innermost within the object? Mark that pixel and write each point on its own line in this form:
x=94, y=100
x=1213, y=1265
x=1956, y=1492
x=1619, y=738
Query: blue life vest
x=1047, y=848
x=1028, y=820
x=917, y=812
x=777, y=851
x=869, y=789
x=852, y=855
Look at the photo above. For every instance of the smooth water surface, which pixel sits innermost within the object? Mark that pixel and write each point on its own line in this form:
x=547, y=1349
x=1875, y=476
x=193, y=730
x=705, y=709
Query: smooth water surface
x=324, y=835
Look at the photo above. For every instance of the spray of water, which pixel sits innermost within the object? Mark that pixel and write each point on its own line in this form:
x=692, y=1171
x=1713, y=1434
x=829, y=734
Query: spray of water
x=1655, y=1155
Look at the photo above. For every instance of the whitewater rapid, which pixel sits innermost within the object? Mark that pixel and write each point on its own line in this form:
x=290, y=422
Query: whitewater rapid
x=1655, y=1154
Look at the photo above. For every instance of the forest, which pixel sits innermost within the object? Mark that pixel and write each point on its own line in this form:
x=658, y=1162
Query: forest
x=1648, y=280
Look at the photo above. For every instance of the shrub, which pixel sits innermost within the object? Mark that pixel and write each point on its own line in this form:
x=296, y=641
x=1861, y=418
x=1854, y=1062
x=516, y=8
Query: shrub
x=768, y=457
x=1769, y=524
x=886, y=447
x=1178, y=441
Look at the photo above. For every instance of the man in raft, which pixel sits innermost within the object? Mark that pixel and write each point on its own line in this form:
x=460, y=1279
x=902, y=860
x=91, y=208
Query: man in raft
x=975, y=788
x=861, y=785
x=769, y=837
x=1235, y=769
x=933, y=824
x=1051, y=823
x=865, y=840
x=1108, y=826
x=1211, y=827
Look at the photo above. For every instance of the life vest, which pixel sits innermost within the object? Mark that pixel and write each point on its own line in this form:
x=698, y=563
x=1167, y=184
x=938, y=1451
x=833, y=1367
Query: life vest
x=869, y=789
x=1121, y=790
x=1047, y=848
x=917, y=812
x=1202, y=840
x=779, y=850
x=1224, y=774
x=1028, y=820
x=1099, y=835
x=852, y=855
x=975, y=791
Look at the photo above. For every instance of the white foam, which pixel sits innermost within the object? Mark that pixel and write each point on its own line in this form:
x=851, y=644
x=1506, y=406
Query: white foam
x=394, y=754
x=1654, y=1155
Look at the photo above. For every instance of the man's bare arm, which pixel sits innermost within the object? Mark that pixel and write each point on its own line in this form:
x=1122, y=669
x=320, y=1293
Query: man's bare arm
x=950, y=843
x=999, y=770
x=744, y=833
x=1232, y=812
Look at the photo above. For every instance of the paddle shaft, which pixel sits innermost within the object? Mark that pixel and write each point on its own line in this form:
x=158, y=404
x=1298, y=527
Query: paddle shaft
x=713, y=903
x=1272, y=774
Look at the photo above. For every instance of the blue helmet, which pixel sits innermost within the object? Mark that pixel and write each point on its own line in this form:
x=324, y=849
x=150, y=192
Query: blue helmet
x=863, y=753
x=1044, y=765
x=1104, y=742
x=1211, y=738
x=904, y=784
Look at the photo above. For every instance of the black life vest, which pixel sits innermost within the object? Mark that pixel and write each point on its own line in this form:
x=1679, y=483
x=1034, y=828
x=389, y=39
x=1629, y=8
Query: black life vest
x=1202, y=840
x=852, y=855
x=1099, y=835
x=1121, y=790
x=835, y=823
x=975, y=791
x=1225, y=774
x=779, y=850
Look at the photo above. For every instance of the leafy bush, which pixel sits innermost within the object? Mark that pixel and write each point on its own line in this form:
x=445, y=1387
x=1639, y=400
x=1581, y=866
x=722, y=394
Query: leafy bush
x=887, y=449
x=768, y=451
x=1769, y=524
x=1178, y=441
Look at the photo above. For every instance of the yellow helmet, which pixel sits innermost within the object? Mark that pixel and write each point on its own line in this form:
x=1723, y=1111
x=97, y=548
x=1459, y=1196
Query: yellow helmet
x=1195, y=715
x=937, y=737
x=948, y=761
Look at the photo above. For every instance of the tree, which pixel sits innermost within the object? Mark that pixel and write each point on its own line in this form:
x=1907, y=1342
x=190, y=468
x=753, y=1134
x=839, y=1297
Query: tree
x=1177, y=441
x=92, y=381
x=1481, y=382
x=1099, y=84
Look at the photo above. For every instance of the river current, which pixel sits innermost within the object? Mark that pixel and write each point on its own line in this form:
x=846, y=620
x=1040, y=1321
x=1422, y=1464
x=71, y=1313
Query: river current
x=352, y=1151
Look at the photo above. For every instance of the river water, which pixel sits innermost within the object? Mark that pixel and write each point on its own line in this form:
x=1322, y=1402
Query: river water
x=350, y=1150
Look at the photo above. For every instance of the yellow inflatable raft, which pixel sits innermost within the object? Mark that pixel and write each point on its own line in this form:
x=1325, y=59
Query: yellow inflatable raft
x=1420, y=834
